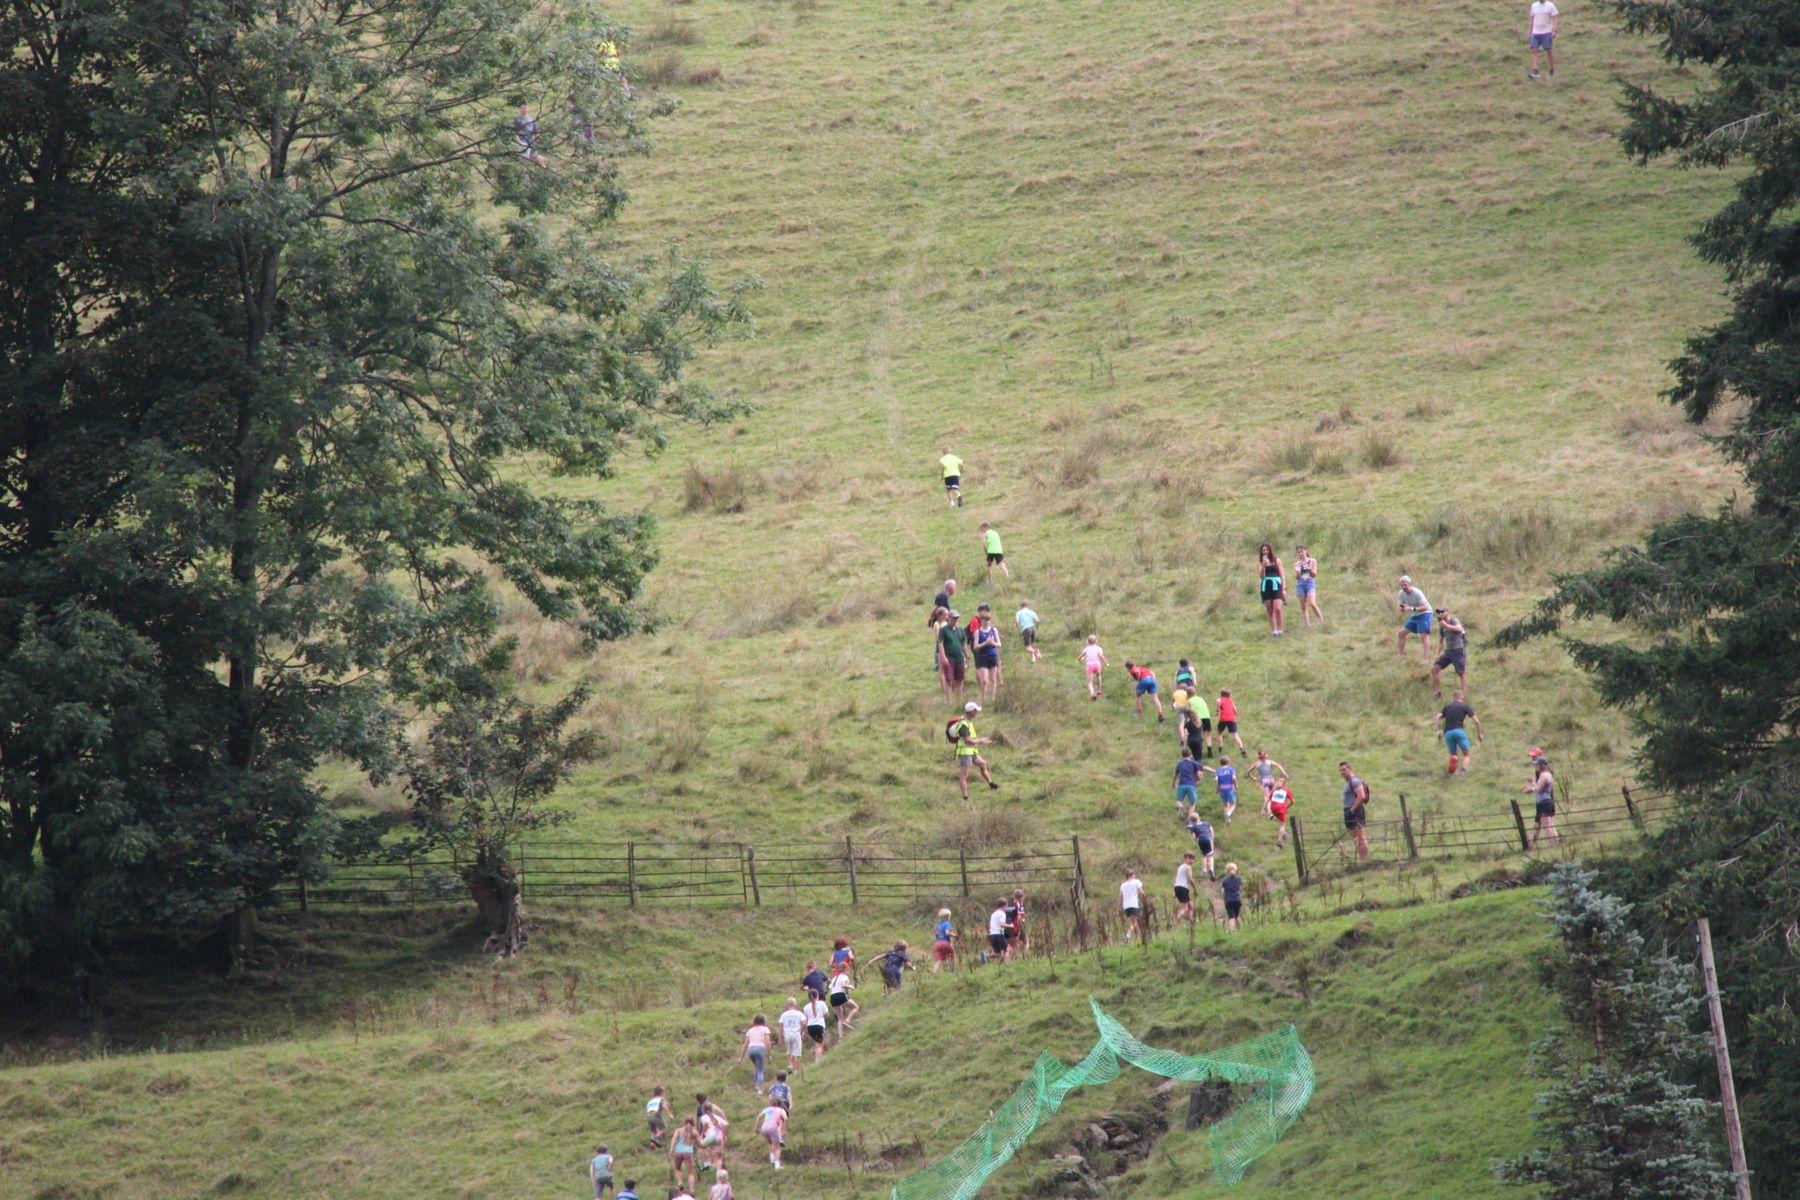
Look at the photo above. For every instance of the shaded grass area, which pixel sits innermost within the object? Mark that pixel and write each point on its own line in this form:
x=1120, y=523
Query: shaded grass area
x=471, y=1102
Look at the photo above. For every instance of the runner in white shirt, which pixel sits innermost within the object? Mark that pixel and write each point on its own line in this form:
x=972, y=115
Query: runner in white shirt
x=1131, y=894
x=997, y=930
x=839, y=994
x=793, y=1029
x=1540, y=34
x=1184, y=888
x=816, y=1014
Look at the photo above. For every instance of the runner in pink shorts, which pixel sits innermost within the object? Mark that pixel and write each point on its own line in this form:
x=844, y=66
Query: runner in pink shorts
x=1093, y=658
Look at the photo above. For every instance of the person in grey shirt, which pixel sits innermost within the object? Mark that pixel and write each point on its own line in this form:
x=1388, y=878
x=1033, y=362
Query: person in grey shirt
x=1356, y=813
x=1455, y=656
x=1415, y=609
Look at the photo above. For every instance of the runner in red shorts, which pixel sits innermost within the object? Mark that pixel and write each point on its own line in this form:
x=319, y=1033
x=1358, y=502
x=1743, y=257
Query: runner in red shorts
x=1280, y=800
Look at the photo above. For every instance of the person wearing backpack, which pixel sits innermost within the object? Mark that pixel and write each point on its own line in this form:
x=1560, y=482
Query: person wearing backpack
x=1356, y=810
x=961, y=732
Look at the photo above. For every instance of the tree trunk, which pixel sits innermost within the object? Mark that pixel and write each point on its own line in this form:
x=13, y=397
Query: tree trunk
x=500, y=905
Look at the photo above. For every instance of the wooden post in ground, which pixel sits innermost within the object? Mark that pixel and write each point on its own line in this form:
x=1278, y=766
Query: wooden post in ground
x=1080, y=875
x=850, y=859
x=302, y=880
x=750, y=859
x=631, y=874
x=1630, y=808
x=1519, y=823
x=962, y=860
x=1412, y=849
x=1734, y=1132
x=1299, y=854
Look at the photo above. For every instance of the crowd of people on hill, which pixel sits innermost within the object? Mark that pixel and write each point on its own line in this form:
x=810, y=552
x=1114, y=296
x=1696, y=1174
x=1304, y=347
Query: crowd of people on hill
x=1200, y=729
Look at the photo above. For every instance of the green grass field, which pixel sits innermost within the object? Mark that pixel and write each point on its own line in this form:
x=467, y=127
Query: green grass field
x=1174, y=281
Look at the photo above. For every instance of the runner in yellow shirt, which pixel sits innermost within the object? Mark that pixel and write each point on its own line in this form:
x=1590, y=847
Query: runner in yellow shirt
x=952, y=466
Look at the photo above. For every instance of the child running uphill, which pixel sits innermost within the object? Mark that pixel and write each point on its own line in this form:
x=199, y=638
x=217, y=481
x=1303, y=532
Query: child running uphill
x=1225, y=779
x=600, y=1171
x=1184, y=888
x=1131, y=900
x=1027, y=621
x=1187, y=783
x=1280, y=800
x=1233, y=887
x=996, y=555
x=1202, y=830
x=1146, y=686
x=793, y=1030
x=1228, y=720
x=842, y=1004
x=892, y=963
x=656, y=1115
x=816, y=1014
x=1093, y=661
x=943, y=949
x=772, y=1124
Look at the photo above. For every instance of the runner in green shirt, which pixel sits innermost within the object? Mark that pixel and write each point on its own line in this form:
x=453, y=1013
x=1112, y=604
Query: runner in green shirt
x=996, y=557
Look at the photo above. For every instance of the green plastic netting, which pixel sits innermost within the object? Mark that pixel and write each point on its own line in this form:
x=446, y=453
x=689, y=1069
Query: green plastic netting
x=1276, y=1062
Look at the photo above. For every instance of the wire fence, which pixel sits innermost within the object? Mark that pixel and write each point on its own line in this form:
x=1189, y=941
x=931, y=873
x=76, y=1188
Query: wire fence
x=735, y=874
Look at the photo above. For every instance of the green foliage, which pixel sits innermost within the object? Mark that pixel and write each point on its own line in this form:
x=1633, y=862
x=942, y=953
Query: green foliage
x=272, y=454
x=1617, y=1120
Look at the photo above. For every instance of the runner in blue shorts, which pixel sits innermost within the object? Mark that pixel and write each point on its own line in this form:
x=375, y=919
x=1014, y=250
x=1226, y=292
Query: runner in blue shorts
x=1225, y=777
x=1146, y=686
x=1416, y=610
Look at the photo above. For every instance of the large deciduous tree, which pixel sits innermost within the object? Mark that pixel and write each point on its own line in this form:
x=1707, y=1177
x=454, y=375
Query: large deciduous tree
x=370, y=326
x=1710, y=669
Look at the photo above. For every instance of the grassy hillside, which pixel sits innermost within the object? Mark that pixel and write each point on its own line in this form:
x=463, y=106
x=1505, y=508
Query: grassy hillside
x=1416, y=1021
x=1174, y=282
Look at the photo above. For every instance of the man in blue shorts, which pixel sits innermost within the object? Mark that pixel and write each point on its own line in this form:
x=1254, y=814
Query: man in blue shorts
x=1456, y=738
x=1187, y=783
x=1415, y=610
x=1540, y=34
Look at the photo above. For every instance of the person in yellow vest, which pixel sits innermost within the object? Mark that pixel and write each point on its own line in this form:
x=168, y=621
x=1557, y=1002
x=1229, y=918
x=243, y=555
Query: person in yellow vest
x=613, y=65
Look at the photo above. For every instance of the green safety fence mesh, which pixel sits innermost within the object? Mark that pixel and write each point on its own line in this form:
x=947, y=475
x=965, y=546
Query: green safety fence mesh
x=1276, y=1063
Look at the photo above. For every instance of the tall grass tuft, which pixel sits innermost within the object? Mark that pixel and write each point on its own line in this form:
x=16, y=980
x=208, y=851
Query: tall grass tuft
x=1377, y=451
x=724, y=490
x=1292, y=455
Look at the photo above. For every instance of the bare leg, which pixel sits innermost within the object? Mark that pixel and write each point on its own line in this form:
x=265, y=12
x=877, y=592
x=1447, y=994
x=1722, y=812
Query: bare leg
x=962, y=777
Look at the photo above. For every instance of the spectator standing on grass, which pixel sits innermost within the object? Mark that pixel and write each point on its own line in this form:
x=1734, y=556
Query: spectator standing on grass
x=816, y=1012
x=1306, y=585
x=793, y=1033
x=757, y=1041
x=1233, y=888
x=1228, y=720
x=997, y=930
x=1415, y=611
x=1131, y=900
x=952, y=467
x=1456, y=738
x=1272, y=586
x=1093, y=662
x=1455, y=640
x=987, y=655
x=1184, y=888
x=525, y=134
x=943, y=946
x=967, y=756
x=600, y=1171
x=1187, y=783
x=1543, y=786
x=1202, y=830
x=996, y=554
x=1540, y=34
x=952, y=665
x=943, y=598
x=1356, y=809
x=1027, y=621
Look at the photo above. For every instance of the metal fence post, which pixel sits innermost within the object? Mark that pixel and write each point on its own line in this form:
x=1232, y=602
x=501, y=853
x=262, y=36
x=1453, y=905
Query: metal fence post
x=962, y=860
x=1519, y=821
x=1299, y=853
x=755, y=891
x=1412, y=850
x=631, y=874
x=850, y=860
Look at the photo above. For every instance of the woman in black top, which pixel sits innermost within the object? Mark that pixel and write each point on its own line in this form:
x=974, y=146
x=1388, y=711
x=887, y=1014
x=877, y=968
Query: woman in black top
x=1272, y=582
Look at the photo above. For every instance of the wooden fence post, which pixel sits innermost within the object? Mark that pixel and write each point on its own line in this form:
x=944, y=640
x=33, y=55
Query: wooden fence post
x=755, y=891
x=1080, y=875
x=631, y=874
x=412, y=900
x=850, y=859
x=1412, y=850
x=302, y=881
x=1299, y=853
x=1519, y=821
x=1630, y=808
x=962, y=860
